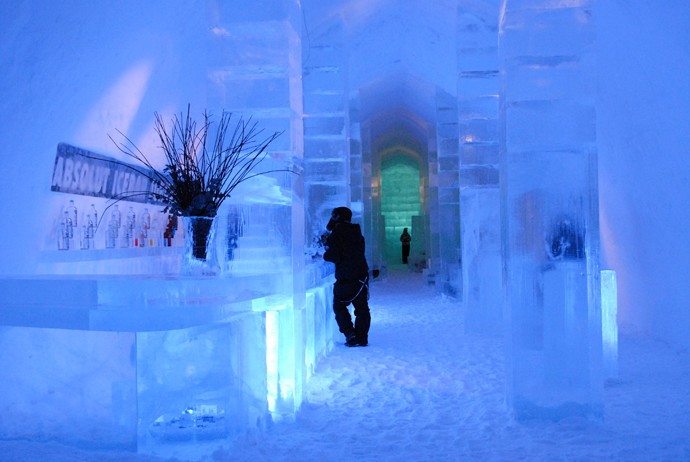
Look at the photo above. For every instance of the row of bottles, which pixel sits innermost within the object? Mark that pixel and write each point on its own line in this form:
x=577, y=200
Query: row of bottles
x=143, y=232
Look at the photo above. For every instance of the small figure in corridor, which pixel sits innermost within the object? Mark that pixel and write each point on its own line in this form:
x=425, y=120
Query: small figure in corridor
x=405, y=238
x=345, y=248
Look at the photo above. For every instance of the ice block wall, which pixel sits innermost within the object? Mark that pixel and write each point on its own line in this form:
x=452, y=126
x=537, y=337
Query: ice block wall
x=478, y=88
x=326, y=126
x=448, y=181
x=550, y=209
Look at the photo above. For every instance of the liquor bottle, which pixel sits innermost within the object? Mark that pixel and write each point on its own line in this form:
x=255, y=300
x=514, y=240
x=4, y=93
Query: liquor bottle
x=130, y=227
x=94, y=215
x=116, y=216
x=146, y=222
x=91, y=223
x=72, y=210
x=63, y=233
x=111, y=234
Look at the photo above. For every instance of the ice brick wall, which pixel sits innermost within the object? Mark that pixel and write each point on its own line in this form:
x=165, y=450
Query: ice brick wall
x=550, y=209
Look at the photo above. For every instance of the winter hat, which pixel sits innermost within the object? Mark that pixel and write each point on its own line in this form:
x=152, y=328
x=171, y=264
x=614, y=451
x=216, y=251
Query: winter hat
x=339, y=215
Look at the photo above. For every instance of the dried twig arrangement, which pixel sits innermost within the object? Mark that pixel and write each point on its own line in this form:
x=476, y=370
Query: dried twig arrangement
x=199, y=174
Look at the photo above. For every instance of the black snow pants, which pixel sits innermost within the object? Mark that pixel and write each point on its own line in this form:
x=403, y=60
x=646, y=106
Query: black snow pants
x=355, y=291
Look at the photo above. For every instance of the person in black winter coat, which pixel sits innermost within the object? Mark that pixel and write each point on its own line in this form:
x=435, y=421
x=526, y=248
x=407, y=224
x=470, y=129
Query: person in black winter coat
x=345, y=248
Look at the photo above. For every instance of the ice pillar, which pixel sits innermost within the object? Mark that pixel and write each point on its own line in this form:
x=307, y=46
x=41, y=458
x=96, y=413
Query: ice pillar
x=448, y=177
x=433, y=207
x=478, y=88
x=255, y=70
x=371, y=196
x=357, y=197
x=326, y=145
x=549, y=209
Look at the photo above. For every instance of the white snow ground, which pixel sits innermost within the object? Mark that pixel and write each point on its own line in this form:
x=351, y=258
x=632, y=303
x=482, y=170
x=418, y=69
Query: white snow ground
x=424, y=391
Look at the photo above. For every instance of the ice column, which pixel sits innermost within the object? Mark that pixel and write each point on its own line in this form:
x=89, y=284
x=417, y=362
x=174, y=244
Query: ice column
x=478, y=88
x=549, y=209
x=255, y=69
x=433, y=208
x=371, y=194
x=449, y=280
x=364, y=209
x=326, y=145
x=356, y=167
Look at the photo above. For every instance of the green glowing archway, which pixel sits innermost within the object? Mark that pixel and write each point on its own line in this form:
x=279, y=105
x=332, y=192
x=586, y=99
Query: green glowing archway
x=400, y=200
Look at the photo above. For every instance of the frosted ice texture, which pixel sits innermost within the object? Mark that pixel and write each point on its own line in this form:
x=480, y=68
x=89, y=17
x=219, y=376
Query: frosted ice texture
x=481, y=262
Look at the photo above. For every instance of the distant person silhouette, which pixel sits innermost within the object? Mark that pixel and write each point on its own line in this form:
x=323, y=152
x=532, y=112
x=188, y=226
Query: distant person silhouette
x=405, y=238
x=345, y=247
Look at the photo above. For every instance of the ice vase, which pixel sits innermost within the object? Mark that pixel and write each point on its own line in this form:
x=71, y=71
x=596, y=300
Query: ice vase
x=200, y=257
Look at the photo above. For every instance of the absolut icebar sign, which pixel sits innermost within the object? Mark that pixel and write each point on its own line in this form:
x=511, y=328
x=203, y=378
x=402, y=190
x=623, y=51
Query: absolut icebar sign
x=78, y=171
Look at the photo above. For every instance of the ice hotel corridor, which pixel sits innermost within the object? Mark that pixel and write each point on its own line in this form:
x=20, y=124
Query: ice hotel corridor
x=425, y=391
x=516, y=125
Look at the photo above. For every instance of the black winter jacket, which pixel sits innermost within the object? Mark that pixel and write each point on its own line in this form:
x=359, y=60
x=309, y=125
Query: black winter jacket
x=346, y=250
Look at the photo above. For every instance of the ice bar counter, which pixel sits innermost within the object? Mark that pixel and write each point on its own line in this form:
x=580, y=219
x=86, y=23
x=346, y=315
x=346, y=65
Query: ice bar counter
x=157, y=364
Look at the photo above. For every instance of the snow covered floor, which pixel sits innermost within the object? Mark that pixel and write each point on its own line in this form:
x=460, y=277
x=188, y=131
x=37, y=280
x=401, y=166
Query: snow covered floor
x=424, y=391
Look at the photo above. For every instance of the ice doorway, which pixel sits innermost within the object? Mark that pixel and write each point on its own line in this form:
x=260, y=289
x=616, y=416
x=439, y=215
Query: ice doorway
x=400, y=202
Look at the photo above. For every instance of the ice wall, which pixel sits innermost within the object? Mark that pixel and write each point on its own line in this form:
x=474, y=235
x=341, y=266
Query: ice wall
x=549, y=205
x=76, y=74
x=642, y=111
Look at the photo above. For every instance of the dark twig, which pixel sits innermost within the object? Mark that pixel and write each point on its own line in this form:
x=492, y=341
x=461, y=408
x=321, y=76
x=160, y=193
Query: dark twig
x=199, y=174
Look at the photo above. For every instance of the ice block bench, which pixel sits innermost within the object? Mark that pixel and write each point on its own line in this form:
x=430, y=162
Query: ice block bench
x=152, y=364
